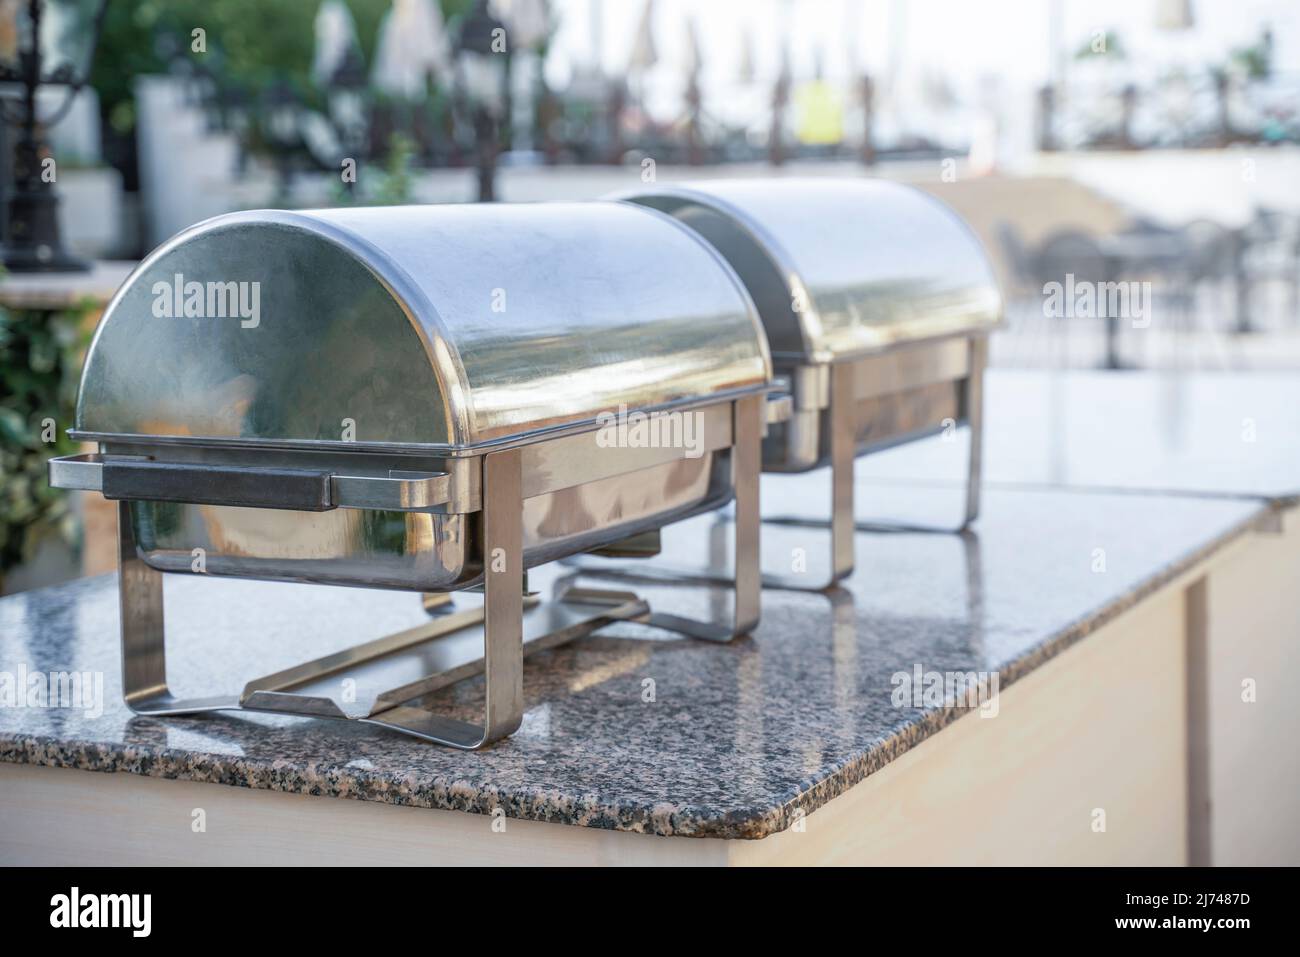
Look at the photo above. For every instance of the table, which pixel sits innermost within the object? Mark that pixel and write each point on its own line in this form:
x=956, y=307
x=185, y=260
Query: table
x=792, y=745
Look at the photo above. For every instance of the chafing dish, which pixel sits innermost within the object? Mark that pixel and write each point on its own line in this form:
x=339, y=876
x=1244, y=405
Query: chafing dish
x=877, y=300
x=418, y=398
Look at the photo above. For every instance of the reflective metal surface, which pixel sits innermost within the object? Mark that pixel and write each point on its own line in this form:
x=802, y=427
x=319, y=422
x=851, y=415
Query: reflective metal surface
x=840, y=267
x=902, y=394
x=417, y=326
x=419, y=550
x=426, y=399
x=422, y=335
x=578, y=494
x=877, y=300
x=492, y=544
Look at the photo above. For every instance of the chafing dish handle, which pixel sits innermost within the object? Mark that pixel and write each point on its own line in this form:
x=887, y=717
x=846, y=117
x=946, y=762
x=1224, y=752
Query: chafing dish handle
x=307, y=490
x=780, y=406
x=301, y=490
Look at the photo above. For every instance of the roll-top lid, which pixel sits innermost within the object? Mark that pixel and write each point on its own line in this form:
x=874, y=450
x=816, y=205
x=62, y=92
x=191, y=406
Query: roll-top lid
x=443, y=326
x=840, y=267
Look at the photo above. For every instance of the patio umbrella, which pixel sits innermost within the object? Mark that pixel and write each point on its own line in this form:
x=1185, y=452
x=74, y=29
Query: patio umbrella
x=336, y=36
x=1174, y=15
x=527, y=21
x=694, y=98
x=694, y=59
x=746, y=73
x=644, y=53
x=412, y=48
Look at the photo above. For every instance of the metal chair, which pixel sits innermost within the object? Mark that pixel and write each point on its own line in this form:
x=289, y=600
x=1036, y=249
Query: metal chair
x=1020, y=262
x=1068, y=258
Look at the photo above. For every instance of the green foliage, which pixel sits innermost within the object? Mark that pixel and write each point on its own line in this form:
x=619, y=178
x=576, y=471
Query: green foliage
x=39, y=362
x=1107, y=45
x=395, y=186
x=1254, y=61
x=251, y=44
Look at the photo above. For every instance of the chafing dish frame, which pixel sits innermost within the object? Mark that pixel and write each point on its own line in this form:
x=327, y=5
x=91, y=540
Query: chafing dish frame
x=832, y=392
x=495, y=482
x=823, y=427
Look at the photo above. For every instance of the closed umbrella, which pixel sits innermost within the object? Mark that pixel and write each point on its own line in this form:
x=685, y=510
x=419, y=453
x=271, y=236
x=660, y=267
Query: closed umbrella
x=336, y=37
x=644, y=53
x=746, y=73
x=694, y=59
x=527, y=21
x=694, y=98
x=412, y=48
x=1174, y=15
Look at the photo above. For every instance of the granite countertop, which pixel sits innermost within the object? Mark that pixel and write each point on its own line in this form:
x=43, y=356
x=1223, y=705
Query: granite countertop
x=1204, y=433
x=740, y=738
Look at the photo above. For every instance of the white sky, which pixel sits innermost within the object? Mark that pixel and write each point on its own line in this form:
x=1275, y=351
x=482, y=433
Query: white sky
x=966, y=40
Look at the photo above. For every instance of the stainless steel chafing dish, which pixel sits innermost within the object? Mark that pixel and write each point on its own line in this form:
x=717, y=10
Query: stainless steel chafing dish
x=877, y=300
x=417, y=398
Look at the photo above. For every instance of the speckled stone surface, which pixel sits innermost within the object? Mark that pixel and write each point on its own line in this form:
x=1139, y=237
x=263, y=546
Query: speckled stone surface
x=739, y=738
x=1204, y=433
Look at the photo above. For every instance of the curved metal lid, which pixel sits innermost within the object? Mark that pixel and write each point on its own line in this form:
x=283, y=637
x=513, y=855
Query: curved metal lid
x=840, y=267
x=447, y=326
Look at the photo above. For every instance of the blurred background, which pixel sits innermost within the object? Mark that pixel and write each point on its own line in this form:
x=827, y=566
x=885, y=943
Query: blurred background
x=1139, y=141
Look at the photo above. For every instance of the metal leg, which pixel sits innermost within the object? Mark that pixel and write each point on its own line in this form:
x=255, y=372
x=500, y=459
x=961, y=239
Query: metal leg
x=503, y=598
x=843, y=442
x=503, y=609
x=843, y=449
x=273, y=692
x=979, y=350
x=747, y=436
x=298, y=689
x=747, y=428
x=144, y=656
x=748, y=579
x=436, y=602
x=843, y=446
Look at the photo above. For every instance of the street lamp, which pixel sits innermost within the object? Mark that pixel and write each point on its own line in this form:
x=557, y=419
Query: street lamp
x=346, y=102
x=482, y=79
x=281, y=114
x=45, y=42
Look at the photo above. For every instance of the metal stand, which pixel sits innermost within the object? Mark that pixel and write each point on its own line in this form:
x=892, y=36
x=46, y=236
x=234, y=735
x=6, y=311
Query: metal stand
x=507, y=636
x=746, y=464
x=144, y=669
x=746, y=582
x=843, y=440
x=979, y=357
x=503, y=610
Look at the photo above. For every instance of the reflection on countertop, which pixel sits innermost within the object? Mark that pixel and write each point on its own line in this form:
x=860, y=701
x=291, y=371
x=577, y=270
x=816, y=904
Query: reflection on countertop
x=663, y=736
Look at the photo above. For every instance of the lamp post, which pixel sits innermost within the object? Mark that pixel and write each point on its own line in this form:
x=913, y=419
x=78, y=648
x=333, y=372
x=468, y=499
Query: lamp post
x=868, y=89
x=780, y=101
x=54, y=44
x=346, y=102
x=282, y=111
x=482, y=78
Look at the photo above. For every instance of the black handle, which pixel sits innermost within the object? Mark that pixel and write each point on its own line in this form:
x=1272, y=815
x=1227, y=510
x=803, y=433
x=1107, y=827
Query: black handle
x=301, y=490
